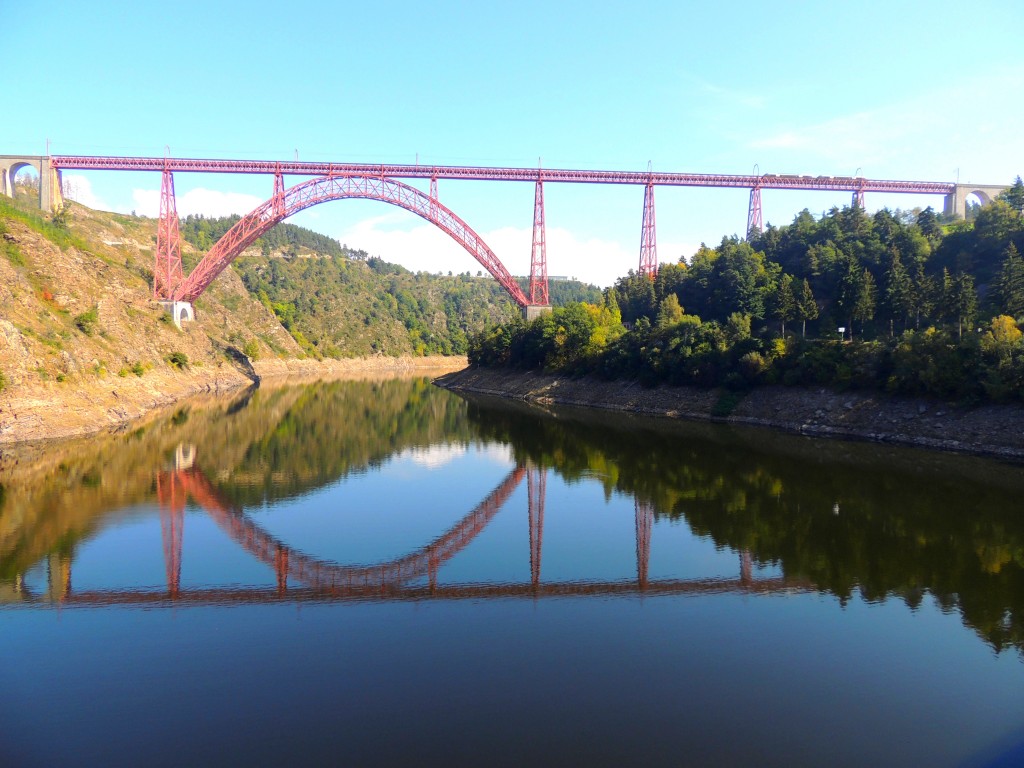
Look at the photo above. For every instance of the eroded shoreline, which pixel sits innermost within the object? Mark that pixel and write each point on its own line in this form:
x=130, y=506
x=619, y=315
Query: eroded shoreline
x=58, y=411
x=987, y=430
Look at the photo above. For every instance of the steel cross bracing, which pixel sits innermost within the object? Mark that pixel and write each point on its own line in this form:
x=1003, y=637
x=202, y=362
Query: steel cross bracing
x=482, y=173
x=288, y=202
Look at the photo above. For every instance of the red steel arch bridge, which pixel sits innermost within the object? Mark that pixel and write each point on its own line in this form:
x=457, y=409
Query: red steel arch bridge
x=383, y=182
x=301, y=577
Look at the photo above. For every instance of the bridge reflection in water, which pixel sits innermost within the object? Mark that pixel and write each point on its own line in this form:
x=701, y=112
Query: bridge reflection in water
x=301, y=577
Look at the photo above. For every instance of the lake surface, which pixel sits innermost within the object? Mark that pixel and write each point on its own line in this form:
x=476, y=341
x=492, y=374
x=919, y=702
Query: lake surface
x=385, y=573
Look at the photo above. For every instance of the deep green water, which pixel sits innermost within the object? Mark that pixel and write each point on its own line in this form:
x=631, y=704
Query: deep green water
x=384, y=573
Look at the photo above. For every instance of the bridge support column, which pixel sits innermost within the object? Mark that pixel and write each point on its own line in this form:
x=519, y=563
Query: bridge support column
x=170, y=493
x=167, y=271
x=281, y=569
x=533, y=311
x=746, y=567
x=539, y=256
x=59, y=576
x=858, y=199
x=180, y=311
x=648, y=237
x=536, y=482
x=644, y=523
x=754, y=212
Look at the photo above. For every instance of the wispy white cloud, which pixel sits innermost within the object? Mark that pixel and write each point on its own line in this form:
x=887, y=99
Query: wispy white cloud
x=423, y=247
x=79, y=189
x=435, y=456
x=207, y=202
x=970, y=124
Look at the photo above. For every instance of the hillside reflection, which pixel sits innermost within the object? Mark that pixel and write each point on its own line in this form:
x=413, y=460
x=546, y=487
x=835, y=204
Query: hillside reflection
x=843, y=519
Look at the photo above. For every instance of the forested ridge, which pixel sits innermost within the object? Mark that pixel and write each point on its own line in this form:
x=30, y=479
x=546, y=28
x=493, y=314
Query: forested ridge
x=907, y=302
x=341, y=302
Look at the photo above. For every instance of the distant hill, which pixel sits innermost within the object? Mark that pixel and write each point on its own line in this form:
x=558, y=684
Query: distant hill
x=340, y=302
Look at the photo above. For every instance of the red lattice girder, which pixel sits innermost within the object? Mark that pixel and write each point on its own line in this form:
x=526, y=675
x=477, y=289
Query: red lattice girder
x=754, y=221
x=250, y=227
x=536, y=483
x=480, y=173
x=167, y=271
x=539, y=253
x=644, y=522
x=648, y=236
x=324, y=575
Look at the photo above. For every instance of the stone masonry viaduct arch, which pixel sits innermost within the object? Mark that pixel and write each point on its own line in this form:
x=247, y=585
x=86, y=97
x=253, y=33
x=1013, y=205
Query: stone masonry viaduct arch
x=49, y=178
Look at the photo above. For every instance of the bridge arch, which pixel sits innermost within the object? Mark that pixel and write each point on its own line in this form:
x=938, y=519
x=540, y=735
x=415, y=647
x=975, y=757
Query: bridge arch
x=49, y=180
x=323, y=575
x=285, y=203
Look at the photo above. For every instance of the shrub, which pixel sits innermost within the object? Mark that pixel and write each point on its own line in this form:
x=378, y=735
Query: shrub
x=86, y=322
x=252, y=349
x=178, y=360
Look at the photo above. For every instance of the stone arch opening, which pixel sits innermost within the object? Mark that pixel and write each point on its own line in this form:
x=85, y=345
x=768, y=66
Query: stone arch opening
x=974, y=201
x=24, y=182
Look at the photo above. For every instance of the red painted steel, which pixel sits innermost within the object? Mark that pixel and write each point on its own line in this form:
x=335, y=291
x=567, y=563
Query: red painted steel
x=323, y=575
x=248, y=595
x=167, y=271
x=536, y=483
x=338, y=187
x=539, y=253
x=171, y=495
x=481, y=173
x=648, y=236
x=754, y=221
x=858, y=198
x=644, y=522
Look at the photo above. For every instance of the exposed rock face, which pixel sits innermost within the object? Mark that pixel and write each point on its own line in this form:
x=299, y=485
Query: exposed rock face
x=991, y=429
x=83, y=346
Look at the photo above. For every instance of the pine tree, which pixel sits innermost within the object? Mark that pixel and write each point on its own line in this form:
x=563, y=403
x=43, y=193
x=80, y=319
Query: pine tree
x=964, y=301
x=898, y=291
x=783, y=301
x=1011, y=283
x=807, y=307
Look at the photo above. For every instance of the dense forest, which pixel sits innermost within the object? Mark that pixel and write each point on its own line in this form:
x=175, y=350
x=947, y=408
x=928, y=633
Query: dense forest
x=901, y=301
x=339, y=302
x=285, y=238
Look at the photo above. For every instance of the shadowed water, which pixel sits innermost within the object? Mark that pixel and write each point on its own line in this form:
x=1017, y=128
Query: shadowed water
x=380, y=573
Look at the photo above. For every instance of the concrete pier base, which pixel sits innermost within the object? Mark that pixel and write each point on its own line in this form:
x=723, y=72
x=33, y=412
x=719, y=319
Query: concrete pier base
x=533, y=311
x=180, y=311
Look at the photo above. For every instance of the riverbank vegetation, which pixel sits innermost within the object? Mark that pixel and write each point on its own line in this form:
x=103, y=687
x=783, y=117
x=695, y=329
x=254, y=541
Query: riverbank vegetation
x=902, y=302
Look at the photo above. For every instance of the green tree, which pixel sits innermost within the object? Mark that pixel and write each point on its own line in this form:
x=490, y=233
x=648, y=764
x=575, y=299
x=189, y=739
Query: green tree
x=1011, y=282
x=898, y=291
x=963, y=301
x=856, y=299
x=783, y=302
x=669, y=311
x=1014, y=196
x=807, y=307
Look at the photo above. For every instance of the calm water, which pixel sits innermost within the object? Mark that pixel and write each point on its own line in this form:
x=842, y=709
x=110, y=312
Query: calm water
x=383, y=573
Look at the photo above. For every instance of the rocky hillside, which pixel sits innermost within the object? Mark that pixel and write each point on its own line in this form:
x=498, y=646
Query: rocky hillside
x=81, y=342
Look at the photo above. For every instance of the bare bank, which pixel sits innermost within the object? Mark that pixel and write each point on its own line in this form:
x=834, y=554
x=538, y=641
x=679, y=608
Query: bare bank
x=996, y=430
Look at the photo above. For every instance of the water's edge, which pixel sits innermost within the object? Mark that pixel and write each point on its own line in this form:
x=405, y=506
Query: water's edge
x=988, y=430
x=57, y=412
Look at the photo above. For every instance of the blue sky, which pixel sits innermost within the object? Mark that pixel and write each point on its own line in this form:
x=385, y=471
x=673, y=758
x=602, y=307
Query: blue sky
x=902, y=90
